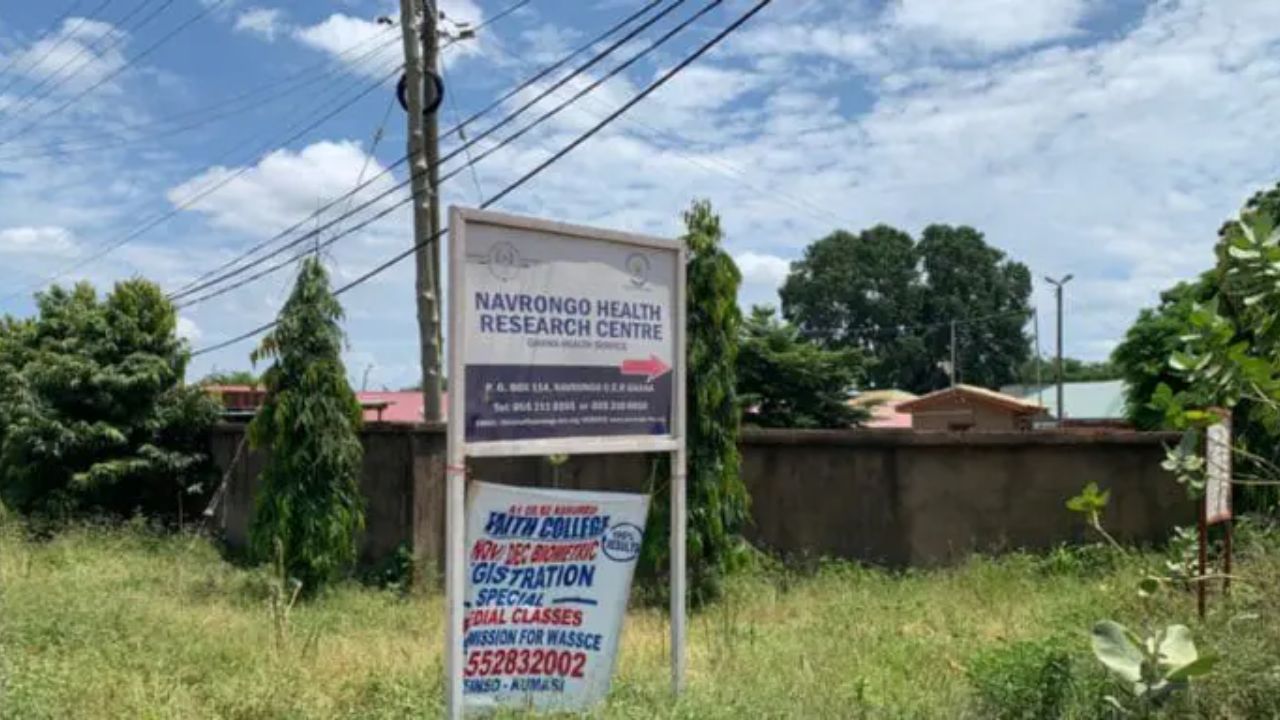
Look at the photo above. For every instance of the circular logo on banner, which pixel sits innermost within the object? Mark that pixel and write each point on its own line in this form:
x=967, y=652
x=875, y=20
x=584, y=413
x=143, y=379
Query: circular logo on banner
x=504, y=261
x=638, y=268
x=622, y=542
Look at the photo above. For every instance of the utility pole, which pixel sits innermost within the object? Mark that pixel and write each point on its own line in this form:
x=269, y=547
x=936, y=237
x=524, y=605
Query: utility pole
x=955, y=369
x=418, y=26
x=1057, y=286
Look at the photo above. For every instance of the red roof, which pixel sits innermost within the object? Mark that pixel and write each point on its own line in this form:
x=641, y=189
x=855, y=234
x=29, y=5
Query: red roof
x=392, y=407
x=972, y=393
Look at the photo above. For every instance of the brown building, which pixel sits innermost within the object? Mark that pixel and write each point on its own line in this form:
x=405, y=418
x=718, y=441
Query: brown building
x=966, y=407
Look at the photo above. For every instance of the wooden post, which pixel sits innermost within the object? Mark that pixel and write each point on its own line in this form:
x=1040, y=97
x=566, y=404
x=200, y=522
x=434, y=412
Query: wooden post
x=1204, y=559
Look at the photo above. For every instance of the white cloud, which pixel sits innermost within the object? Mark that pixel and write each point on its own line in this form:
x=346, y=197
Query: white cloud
x=264, y=22
x=188, y=329
x=81, y=53
x=762, y=268
x=989, y=25
x=44, y=240
x=365, y=46
x=284, y=187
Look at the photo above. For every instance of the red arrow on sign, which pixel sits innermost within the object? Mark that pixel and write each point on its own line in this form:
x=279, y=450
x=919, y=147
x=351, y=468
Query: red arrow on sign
x=653, y=368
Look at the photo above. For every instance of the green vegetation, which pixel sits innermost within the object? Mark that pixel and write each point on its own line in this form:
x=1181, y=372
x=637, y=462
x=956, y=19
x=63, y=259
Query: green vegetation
x=1045, y=370
x=93, y=414
x=308, y=509
x=125, y=623
x=717, y=498
x=786, y=381
x=893, y=299
x=231, y=377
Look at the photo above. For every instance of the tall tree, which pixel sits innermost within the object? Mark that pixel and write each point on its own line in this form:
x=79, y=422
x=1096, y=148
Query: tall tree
x=787, y=381
x=968, y=281
x=893, y=299
x=858, y=292
x=93, y=412
x=309, y=502
x=717, y=498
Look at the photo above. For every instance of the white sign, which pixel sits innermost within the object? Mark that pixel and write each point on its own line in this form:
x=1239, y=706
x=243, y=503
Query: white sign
x=549, y=575
x=562, y=339
x=1217, y=489
x=565, y=333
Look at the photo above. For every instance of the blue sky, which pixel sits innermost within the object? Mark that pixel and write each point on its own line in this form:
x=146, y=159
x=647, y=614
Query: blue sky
x=1105, y=138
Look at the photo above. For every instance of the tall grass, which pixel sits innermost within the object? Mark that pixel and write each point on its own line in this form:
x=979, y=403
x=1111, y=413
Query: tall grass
x=125, y=623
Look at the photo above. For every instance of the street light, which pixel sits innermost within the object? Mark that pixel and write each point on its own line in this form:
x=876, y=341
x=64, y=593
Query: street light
x=1057, y=289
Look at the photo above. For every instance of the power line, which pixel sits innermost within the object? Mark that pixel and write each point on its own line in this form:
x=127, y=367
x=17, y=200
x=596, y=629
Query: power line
x=156, y=221
x=68, y=33
x=489, y=21
x=13, y=60
x=453, y=108
x=203, y=282
x=245, y=102
x=114, y=38
x=203, y=12
x=648, y=90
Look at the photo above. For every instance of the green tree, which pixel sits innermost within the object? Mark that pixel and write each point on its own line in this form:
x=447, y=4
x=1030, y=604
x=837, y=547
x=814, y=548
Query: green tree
x=231, y=377
x=92, y=409
x=787, y=381
x=857, y=292
x=1142, y=358
x=309, y=498
x=967, y=280
x=1073, y=370
x=892, y=299
x=717, y=498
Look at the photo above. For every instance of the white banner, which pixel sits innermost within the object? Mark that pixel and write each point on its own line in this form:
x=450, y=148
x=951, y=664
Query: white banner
x=548, y=578
x=1217, y=489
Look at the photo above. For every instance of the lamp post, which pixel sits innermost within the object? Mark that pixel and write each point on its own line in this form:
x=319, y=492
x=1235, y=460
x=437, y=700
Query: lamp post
x=1057, y=289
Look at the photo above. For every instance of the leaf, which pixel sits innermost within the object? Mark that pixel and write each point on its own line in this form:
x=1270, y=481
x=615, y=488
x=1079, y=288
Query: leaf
x=1177, y=648
x=1148, y=586
x=1200, y=666
x=1112, y=647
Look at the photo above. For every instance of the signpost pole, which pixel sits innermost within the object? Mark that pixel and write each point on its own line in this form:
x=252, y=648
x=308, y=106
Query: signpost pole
x=679, y=491
x=1203, y=563
x=455, y=479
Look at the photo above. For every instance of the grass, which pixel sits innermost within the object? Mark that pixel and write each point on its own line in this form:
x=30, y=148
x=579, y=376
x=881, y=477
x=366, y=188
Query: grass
x=124, y=623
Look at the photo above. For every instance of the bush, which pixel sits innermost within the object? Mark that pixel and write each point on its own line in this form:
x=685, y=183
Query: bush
x=1090, y=560
x=1026, y=680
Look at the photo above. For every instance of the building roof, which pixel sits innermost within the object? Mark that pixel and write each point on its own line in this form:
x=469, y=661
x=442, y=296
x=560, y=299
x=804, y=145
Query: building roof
x=974, y=394
x=883, y=405
x=242, y=401
x=1084, y=400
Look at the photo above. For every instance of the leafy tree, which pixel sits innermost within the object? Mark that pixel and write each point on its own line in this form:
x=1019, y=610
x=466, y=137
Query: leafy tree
x=965, y=278
x=231, y=377
x=92, y=409
x=717, y=498
x=1073, y=370
x=787, y=381
x=893, y=299
x=1143, y=356
x=309, y=500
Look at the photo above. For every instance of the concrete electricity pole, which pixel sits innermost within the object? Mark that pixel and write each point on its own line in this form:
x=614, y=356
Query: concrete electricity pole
x=418, y=27
x=1057, y=287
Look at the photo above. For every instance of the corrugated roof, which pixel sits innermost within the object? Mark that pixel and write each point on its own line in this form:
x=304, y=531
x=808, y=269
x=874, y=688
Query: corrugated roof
x=1102, y=400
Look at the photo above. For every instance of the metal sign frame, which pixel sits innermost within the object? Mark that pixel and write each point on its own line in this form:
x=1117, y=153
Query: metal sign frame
x=458, y=449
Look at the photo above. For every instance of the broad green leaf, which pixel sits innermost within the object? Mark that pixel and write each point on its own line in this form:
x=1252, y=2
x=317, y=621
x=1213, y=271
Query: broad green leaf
x=1177, y=648
x=1200, y=666
x=1148, y=586
x=1113, y=649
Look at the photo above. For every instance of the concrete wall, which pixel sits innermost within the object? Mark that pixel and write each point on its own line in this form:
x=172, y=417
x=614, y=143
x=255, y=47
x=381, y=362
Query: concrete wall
x=891, y=497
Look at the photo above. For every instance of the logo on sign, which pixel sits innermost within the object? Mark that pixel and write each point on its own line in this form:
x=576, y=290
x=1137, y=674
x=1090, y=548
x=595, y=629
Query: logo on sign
x=504, y=261
x=622, y=542
x=638, y=269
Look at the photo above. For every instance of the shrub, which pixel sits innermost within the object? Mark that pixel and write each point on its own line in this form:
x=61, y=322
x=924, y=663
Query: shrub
x=1026, y=680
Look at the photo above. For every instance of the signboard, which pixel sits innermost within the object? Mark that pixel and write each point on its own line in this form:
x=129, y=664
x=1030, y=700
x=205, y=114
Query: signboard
x=548, y=578
x=564, y=338
x=1217, y=489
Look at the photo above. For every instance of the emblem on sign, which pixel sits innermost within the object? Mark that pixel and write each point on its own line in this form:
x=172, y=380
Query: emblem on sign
x=638, y=267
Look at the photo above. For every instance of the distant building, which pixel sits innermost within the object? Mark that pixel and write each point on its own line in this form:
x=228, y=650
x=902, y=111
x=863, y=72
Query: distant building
x=241, y=402
x=883, y=405
x=1088, y=403
x=966, y=407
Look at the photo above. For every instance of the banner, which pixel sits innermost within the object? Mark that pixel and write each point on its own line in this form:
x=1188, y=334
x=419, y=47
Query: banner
x=548, y=578
x=565, y=336
x=1217, y=488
